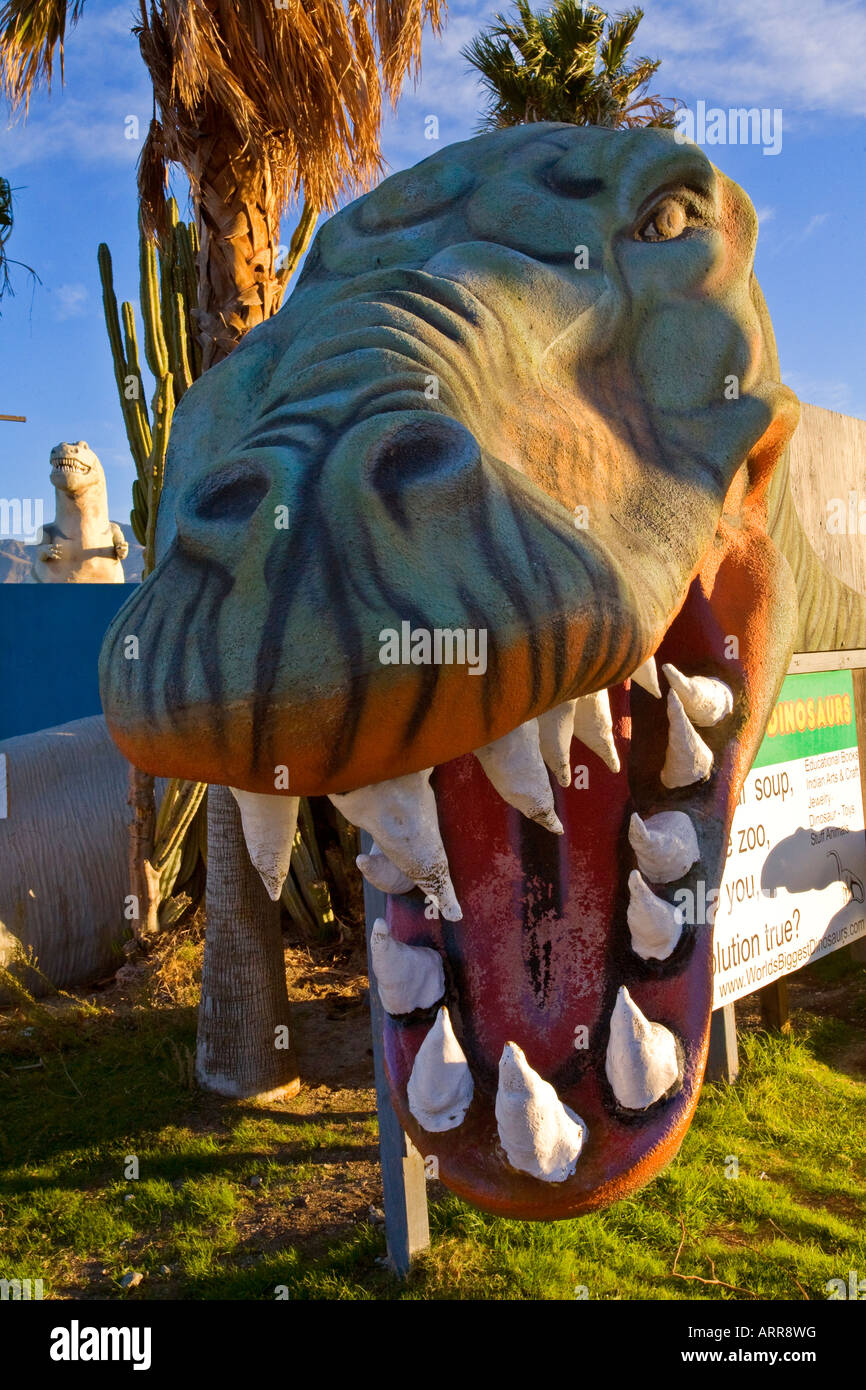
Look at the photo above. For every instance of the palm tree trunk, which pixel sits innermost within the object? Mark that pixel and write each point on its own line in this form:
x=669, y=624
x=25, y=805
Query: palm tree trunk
x=143, y=880
x=243, y=998
x=244, y=1046
x=239, y=233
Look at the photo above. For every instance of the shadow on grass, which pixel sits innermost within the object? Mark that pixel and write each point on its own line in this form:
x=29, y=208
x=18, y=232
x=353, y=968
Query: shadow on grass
x=104, y=1087
x=109, y=1088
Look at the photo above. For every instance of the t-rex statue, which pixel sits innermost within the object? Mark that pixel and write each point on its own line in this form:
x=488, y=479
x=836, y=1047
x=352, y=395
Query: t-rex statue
x=525, y=398
x=81, y=545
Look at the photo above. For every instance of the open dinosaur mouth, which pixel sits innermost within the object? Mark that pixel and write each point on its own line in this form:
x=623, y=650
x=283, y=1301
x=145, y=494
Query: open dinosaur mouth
x=479, y=434
x=68, y=465
x=545, y=961
x=545, y=964
x=552, y=1062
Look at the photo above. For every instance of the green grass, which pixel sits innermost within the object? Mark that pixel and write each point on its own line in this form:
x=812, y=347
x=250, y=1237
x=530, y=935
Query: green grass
x=112, y=1087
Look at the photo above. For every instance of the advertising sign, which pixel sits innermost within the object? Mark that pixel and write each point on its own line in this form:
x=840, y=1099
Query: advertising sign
x=793, y=887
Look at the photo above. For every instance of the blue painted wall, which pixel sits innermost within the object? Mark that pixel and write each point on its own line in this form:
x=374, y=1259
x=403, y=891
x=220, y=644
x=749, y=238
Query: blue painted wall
x=50, y=635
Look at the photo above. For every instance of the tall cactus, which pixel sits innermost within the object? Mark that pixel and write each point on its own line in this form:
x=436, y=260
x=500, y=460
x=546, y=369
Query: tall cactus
x=167, y=297
x=166, y=848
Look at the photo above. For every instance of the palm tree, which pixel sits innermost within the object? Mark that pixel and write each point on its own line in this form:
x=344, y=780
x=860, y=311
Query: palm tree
x=259, y=103
x=6, y=222
x=565, y=65
x=5, y=233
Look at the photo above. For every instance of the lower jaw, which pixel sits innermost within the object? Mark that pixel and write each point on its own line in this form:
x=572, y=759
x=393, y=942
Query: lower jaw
x=544, y=947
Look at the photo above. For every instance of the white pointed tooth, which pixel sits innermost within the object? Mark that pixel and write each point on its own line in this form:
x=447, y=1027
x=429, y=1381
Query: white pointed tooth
x=655, y=925
x=440, y=1088
x=646, y=676
x=401, y=815
x=516, y=768
x=539, y=1134
x=688, y=758
x=705, y=700
x=665, y=845
x=642, y=1062
x=378, y=870
x=407, y=977
x=593, y=725
x=269, y=823
x=555, y=732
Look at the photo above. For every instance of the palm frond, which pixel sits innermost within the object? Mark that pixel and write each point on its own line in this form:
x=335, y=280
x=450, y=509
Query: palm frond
x=6, y=220
x=566, y=64
x=620, y=34
x=31, y=33
x=6, y=223
x=577, y=29
x=398, y=26
x=294, y=89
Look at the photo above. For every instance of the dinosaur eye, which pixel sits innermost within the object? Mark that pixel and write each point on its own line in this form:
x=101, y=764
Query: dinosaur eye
x=667, y=221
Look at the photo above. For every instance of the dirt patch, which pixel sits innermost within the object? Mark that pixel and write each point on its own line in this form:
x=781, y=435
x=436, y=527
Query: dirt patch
x=325, y=1192
x=328, y=994
x=836, y=1203
x=809, y=995
x=852, y=1059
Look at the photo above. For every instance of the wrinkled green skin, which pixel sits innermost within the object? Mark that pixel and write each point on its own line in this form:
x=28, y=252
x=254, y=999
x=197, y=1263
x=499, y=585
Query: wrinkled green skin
x=557, y=387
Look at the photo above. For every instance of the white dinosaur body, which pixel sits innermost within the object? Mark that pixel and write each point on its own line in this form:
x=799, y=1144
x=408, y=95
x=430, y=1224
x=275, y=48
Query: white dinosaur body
x=81, y=545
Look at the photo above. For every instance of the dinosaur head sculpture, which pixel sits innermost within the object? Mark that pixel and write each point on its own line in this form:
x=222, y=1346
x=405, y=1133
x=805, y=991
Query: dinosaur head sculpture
x=508, y=446
x=75, y=468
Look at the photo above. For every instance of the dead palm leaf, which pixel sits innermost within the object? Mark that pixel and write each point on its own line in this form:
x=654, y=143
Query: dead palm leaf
x=293, y=87
x=259, y=104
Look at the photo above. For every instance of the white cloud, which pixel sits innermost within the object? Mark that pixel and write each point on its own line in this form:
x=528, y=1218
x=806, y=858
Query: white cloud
x=800, y=234
x=814, y=223
x=83, y=120
x=806, y=55
x=765, y=215
x=72, y=130
x=70, y=301
x=802, y=55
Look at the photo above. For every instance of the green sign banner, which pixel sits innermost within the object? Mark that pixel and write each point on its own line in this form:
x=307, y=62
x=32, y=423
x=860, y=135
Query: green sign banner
x=814, y=714
x=794, y=886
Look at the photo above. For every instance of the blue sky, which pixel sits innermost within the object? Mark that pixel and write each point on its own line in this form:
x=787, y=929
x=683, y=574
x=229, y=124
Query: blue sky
x=74, y=172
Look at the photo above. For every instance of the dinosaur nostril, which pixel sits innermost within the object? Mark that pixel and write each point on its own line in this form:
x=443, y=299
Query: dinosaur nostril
x=422, y=462
x=416, y=452
x=232, y=495
x=214, y=515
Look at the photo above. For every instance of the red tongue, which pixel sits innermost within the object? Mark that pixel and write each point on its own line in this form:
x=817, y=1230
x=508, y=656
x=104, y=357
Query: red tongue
x=529, y=956
x=537, y=960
